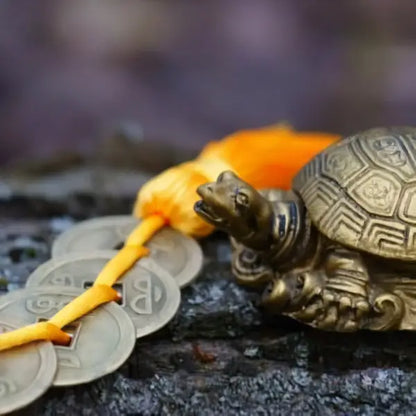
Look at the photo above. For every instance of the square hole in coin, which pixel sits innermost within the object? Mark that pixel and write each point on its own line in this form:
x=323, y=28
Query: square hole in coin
x=71, y=329
x=117, y=286
x=119, y=246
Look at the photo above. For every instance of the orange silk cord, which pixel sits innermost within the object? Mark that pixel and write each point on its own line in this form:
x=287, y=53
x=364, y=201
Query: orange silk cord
x=101, y=292
x=84, y=303
x=36, y=332
x=267, y=157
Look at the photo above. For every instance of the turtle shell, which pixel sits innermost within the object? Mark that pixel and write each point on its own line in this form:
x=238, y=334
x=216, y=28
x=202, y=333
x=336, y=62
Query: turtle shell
x=361, y=192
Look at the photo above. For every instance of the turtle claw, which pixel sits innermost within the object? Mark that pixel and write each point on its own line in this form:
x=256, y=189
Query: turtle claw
x=350, y=326
x=362, y=308
x=340, y=311
x=328, y=298
x=310, y=312
x=330, y=319
x=345, y=303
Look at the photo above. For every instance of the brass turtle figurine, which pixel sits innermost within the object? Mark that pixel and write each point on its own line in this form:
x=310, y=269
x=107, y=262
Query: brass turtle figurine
x=338, y=252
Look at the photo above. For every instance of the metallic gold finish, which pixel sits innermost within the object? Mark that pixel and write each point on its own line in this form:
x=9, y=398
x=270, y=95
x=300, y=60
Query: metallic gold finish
x=338, y=252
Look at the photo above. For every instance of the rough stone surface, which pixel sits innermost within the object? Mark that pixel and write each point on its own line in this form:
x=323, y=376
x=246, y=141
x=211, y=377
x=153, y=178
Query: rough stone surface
x=221, y=355
x=81, y=191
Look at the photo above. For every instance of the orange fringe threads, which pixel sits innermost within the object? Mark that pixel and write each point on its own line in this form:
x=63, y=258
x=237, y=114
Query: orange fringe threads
x=266, y=158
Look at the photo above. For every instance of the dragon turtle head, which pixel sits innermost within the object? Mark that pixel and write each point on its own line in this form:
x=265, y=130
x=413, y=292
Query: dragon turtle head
x=234, y=206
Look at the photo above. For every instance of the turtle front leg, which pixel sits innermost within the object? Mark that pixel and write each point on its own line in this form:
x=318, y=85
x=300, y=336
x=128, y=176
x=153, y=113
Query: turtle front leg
x=333, y=297
x=345, y=295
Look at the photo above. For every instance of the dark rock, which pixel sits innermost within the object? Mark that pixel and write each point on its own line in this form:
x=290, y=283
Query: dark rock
x=81, y=192
x=291, y=384
x=128, y=148
x=23, y=247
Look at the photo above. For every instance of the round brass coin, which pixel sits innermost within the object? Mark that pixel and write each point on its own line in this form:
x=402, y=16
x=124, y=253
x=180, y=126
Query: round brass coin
x=101, y=341
x=180, y=255
x=150, y=296
x=26, y=372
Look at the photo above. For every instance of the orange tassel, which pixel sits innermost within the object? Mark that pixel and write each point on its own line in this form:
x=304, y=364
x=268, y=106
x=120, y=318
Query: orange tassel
x=266, y=158
x=269, y=157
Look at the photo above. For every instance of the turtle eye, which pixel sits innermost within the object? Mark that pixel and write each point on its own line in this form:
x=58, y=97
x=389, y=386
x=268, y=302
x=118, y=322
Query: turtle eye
x=241, y=199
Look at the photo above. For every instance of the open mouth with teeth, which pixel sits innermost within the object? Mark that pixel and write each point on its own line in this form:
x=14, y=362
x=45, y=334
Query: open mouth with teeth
x=203, y=209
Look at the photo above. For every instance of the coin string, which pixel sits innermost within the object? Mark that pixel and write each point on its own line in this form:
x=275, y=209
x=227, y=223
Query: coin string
x=100, y=292
x=267, y=157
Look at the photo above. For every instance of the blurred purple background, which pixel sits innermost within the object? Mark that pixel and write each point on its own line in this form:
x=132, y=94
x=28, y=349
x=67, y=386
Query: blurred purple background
x=193, y=71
